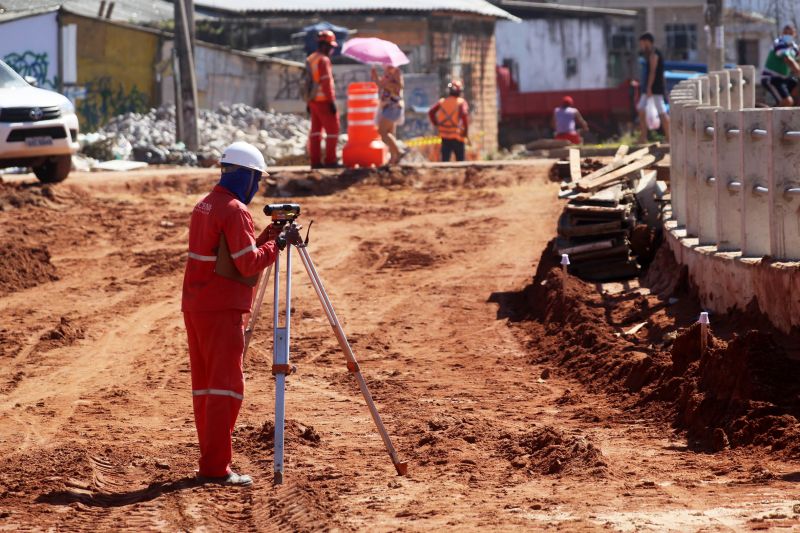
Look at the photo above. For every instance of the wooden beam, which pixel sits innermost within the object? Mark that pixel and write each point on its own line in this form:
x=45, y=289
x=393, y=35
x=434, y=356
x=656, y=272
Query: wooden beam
x=620, y=173
x=574, y=165
x=614, y=165
x=622, y=151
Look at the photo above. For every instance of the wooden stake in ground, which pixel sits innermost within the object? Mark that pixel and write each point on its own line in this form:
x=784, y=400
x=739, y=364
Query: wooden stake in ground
x=704, y=323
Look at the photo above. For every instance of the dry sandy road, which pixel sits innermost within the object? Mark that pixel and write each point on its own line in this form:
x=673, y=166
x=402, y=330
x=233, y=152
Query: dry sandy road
x=96, y=429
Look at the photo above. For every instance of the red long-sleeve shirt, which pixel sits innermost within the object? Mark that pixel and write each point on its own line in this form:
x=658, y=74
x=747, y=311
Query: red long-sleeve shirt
x=203, y=289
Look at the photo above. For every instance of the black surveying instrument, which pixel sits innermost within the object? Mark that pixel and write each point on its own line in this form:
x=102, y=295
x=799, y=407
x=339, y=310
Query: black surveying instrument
x=284, y=217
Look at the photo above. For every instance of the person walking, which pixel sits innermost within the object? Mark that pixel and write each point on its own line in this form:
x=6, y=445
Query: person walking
x=779, y=77
x=653, y=87
x=565, y=118
x=391, y=110
x=225, y=259
x=321, y=102
x=451, y=116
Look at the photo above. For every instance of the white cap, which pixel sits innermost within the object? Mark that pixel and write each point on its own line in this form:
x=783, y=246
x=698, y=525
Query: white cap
x=564, y=259
x=704, y=318
x=244, y=155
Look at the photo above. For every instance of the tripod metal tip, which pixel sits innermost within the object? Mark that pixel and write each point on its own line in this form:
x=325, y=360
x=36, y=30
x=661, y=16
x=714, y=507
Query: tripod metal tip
x=402, y=468
x=277, y=478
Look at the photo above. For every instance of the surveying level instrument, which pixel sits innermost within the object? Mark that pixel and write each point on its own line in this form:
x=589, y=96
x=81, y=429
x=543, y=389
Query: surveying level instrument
x=284, y=216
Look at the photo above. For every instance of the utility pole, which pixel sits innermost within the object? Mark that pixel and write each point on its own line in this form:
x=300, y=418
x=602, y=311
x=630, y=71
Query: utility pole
x=186, y=104
x=716, y=32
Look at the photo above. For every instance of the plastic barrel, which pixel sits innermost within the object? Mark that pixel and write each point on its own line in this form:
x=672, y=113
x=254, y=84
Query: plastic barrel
x=364, y=145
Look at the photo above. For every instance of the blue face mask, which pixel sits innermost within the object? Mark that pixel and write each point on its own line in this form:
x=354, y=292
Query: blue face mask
x=242, y=182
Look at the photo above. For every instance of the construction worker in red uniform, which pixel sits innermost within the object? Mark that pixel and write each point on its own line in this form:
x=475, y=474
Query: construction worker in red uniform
x=322, y=103
x=451, y=116
x=225, y=259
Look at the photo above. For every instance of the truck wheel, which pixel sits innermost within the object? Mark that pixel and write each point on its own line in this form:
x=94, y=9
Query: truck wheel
x=54, y=169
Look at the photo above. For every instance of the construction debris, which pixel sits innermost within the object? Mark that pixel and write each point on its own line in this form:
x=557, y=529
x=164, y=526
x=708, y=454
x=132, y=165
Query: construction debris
x=605, y=205
x=150, y=137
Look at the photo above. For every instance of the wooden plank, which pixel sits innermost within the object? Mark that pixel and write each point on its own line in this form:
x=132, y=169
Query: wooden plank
x=574, y=165
x=583, y=209
x=630, y=158
x=589, y=229
x=622, y=151
x=618, y=174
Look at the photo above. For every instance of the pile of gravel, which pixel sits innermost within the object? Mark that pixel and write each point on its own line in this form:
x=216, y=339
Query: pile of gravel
x=150, y=137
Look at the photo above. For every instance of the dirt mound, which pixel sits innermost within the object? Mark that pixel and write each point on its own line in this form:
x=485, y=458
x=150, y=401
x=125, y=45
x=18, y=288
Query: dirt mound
x=263, y=437
x=16, y=195
x=160, y=262
x=23, y=267
x=11, y=342
x=741, y=391
x=376, y=255
x=546, y=450
x=64, y=334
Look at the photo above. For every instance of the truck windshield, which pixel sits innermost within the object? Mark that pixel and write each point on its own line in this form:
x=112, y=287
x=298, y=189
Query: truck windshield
x=9, y=78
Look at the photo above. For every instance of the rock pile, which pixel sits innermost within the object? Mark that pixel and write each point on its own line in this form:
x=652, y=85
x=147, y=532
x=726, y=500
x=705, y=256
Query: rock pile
x=150, y=137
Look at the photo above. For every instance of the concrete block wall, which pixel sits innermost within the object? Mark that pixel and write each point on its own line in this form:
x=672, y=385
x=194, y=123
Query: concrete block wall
x=735, y=187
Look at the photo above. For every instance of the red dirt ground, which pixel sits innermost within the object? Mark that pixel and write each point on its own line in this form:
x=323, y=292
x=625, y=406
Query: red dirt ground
x=516, y=406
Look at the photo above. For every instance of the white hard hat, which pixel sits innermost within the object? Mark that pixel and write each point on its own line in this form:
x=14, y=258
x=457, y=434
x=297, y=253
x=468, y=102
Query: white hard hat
x=244, y=155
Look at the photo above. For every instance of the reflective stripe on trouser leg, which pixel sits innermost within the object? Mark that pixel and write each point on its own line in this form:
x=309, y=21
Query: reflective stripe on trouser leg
x=216, y=342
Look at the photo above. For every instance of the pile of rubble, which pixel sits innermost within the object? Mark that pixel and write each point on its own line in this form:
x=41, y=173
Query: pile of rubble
x=150, y=137
x=606, y=207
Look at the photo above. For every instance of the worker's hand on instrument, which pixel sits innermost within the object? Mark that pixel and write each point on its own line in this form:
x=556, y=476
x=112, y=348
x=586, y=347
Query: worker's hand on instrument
x=281, y=242
x=333, y=107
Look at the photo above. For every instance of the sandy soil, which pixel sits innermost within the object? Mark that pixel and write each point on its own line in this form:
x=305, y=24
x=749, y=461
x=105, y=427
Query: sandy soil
x=426, y=268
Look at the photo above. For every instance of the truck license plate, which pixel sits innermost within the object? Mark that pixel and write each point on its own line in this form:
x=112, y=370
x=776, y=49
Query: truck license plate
x=39, y=141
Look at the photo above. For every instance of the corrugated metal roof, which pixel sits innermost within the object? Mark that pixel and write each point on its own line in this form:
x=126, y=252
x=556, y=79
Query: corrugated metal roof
x=565, y=8
x=480, y=7
x=135, y=11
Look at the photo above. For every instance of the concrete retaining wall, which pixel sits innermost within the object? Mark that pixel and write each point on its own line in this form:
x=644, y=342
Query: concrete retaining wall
x=734, y=219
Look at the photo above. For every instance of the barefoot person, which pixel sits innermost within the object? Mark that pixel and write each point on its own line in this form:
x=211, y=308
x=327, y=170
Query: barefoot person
x=224, y=261
x=390, y=113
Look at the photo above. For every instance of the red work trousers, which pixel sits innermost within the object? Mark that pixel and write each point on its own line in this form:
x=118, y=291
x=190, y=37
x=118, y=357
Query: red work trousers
x=322, y=118
x=216, y=343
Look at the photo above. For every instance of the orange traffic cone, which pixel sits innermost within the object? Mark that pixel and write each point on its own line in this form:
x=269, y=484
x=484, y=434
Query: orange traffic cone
x=364, y=146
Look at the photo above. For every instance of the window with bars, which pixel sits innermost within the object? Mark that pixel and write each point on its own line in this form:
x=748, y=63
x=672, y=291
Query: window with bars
x=681, y=41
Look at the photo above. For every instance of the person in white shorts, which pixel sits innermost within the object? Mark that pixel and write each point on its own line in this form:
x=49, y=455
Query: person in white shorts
x=654, y=86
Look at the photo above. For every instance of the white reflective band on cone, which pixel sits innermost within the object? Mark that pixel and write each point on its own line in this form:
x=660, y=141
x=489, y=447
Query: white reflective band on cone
x=217, y=392
x=362, y=96
x=202, y=257
x=240, y=253
x=361, y=123
x=357, y=110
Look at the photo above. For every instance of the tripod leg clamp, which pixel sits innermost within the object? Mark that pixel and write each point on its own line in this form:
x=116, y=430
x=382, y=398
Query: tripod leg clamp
x=283, y=369
x=352, y=366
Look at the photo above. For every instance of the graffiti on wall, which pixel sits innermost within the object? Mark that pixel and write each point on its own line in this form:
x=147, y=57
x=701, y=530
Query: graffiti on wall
x=33, y=64
x=103, y=100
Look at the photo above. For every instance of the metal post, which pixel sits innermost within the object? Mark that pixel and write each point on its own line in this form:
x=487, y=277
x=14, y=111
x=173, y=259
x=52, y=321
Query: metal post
x=714, y=22
x=184, y=44
x=279, y=357
x=704, y=322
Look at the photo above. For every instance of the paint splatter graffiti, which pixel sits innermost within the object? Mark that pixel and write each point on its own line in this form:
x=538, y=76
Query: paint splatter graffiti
x=33, y=64
x=103, y=101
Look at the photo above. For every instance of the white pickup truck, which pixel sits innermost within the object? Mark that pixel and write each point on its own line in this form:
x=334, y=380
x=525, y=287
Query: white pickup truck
x=38, y=128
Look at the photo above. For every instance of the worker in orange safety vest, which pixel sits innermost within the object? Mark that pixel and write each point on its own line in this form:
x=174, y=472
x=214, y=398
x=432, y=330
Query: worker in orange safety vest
x=451, y=116
x=225, y=259
x=320, y=95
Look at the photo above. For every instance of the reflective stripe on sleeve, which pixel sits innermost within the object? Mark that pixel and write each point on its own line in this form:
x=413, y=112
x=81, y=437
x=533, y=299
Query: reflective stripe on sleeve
x=240, y=253
x=217, y=392
x=199, y=257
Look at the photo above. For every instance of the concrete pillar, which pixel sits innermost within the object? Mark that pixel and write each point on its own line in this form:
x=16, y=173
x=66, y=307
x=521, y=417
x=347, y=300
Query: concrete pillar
x=713, y=89
x=748, y=86
x=784, y=189
x=689, y=194
x=705, y=90
x=736, y=88
x=706, y=192
x=757, y=170
x=723, y=88
x=677, y=176
x=728, y=173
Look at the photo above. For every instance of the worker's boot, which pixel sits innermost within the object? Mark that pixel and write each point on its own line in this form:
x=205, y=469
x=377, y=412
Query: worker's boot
x=233, y=480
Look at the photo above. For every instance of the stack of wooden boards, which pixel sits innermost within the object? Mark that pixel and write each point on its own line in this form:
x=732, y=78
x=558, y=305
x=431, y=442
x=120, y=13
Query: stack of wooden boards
x=596, y=225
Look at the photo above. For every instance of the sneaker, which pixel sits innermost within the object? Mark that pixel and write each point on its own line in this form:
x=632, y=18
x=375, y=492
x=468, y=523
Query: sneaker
x=233, y=480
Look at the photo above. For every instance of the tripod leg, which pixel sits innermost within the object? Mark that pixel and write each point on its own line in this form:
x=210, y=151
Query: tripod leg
x=263, y=281
x=352, y=364
x=280, y=366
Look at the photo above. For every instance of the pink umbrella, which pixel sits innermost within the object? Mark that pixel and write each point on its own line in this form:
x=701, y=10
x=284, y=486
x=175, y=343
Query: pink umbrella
x=374, y=51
